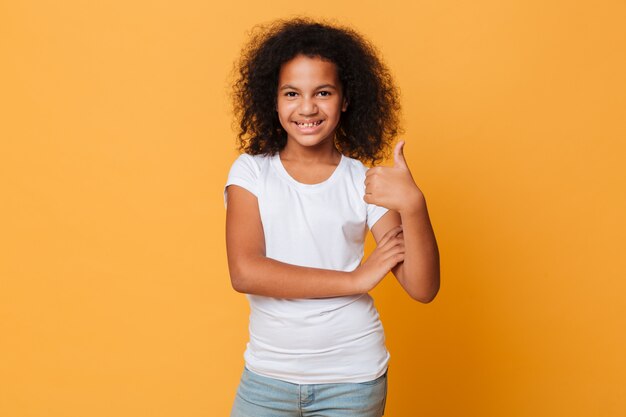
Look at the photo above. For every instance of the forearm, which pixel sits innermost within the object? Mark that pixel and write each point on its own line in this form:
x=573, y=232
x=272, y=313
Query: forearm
x=419, y=273
x=260, y=275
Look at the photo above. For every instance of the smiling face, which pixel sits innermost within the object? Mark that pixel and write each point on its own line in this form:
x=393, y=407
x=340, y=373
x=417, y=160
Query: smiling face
x=310, y=101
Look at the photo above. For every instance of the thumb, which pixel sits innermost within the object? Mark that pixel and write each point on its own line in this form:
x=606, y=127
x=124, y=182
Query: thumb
x=398, y=155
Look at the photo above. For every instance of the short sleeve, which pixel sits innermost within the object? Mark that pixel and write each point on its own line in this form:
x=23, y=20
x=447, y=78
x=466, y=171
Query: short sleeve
x=244, y=172
x=374, y=213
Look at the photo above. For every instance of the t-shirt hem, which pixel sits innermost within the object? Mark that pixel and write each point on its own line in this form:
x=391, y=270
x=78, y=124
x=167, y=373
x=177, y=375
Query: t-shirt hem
x=380, y=213
x=308, y=381
x=241, y=183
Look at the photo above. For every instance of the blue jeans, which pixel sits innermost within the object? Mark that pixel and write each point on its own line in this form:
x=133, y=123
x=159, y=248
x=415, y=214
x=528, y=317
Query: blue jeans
x=260, y=396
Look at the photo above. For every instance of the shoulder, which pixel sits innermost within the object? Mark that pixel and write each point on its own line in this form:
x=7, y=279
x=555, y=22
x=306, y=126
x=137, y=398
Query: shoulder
x=253, y=164
x=246, y=171
x=252, y=160
x=355, y=167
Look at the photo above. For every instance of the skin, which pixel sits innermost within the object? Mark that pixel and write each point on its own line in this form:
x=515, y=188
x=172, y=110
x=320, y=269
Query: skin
x=394, y=188
x=309, y=91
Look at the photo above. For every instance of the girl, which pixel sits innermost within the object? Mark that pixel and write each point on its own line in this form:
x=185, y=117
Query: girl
x=314, y=101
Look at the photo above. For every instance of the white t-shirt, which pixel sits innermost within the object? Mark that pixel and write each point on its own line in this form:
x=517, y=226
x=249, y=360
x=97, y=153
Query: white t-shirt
x=323, y=340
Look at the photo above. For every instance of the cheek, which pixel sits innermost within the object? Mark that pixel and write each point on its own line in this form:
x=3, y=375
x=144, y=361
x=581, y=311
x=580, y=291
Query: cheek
x=285, y=108
x=282, y=120
x=282, y=112
x=333, y=108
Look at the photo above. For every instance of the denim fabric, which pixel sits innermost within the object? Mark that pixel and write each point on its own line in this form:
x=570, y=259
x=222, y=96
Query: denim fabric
x=259, y=396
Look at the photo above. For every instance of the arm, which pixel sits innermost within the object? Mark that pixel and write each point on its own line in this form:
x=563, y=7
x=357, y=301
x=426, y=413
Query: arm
x=253, y=273
x=394, y=188
x=419, y=273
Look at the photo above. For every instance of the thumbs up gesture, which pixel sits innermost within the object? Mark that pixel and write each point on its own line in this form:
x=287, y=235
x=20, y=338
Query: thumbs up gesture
x=393, y=187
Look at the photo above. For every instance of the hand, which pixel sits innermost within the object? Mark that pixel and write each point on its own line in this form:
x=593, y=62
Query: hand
x=393, y=187
x=388, y=253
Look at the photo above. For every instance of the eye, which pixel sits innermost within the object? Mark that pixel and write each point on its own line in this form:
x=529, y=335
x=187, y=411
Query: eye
x=324, y=93
x=291, y=94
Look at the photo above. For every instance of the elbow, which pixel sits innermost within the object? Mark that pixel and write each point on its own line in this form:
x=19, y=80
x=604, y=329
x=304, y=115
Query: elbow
x=244, y=273
x=425, y=296
x=424, y=299
x=237, y=279
x=237, y=284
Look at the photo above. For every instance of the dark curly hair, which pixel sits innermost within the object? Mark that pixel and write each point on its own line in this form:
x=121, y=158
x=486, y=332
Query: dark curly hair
x=365, y=129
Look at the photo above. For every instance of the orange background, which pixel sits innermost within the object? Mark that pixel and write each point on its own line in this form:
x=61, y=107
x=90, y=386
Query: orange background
x=116, y=141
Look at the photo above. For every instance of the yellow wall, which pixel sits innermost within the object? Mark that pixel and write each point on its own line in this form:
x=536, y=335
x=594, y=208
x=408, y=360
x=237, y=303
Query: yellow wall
x=116, y=140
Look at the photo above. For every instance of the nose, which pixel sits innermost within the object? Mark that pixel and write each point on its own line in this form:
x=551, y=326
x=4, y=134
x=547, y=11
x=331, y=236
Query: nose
x=307, y=107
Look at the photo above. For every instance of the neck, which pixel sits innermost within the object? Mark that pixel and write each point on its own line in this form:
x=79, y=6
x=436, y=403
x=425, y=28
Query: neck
x=326, y=153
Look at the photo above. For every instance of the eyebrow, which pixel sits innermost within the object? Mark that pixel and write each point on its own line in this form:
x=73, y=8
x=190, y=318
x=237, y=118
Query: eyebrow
x=290, y=87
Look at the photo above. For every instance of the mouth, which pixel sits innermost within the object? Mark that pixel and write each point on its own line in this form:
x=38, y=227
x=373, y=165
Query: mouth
x=309, y=125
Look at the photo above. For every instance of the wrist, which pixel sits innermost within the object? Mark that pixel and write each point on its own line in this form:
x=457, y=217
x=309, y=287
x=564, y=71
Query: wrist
x=357, y=283
x=415, y=204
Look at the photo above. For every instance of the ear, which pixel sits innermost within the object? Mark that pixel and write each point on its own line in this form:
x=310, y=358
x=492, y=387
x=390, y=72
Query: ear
x=344, y=104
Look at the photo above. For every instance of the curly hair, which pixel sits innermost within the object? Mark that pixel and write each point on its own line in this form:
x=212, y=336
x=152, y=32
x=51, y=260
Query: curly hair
x=365, y=129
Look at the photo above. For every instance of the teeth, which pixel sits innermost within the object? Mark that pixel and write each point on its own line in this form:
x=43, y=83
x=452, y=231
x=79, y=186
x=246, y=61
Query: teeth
x=309, y=124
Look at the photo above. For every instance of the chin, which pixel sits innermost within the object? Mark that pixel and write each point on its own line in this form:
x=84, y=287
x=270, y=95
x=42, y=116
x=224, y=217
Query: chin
x=309, y=143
